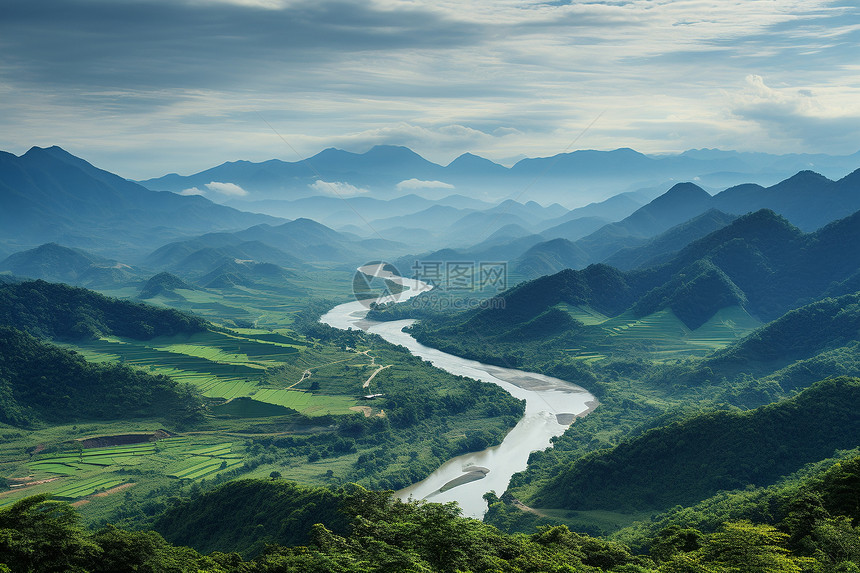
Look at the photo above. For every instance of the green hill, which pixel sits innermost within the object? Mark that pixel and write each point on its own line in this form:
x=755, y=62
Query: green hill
x=692, y=459
x=246, y=515
x=759, y=262
x=799, y=334
x=40, y=382
x=54, y=310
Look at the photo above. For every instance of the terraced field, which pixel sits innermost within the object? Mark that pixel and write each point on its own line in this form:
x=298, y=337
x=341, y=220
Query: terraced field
x=661, y=334
x=236, y=364
x=77, y=472
x=584, y=314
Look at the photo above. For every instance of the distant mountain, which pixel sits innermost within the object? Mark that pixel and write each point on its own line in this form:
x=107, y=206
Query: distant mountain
x=544, y=258
x=660, y=248
x=807, y=199
x=575, y=228
x=759, y=263
x=569, y=178
x=291, y=245
x=679, y=204
x=202, y=255
x=504, y=235
x=339, y=212
x=381, y=166
x=163, y=284
x=250, y=273
x=53, y=262
x=49, y=195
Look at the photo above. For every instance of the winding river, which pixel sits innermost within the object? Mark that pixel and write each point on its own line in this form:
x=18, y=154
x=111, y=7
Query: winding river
x=551, y=406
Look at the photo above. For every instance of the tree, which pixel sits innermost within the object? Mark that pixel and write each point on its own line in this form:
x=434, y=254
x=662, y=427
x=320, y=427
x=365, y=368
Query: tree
x=37, y=534
x=739, y=547
x=275, y=475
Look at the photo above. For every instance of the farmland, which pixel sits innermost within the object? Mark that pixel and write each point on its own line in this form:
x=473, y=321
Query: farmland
x=282, y=400
x=227, y=365
x=69, y=470
x=661, y=334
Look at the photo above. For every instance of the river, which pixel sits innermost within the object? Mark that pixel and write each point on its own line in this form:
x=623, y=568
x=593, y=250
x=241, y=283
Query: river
x=551, y=405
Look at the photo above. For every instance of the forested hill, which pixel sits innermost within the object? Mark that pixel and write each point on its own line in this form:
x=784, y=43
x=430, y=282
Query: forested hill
x=40, y=382
x=55, y=310
x=807, y=528
x=759, y=262
x=690, y=460
x=801, y=333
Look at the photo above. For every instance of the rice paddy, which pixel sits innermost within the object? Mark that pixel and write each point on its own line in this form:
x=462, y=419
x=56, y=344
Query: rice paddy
x=661, y=334
x=76, y=472
x=235, y=364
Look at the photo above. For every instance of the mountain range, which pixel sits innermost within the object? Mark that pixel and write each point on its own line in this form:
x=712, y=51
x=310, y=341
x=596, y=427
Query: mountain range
x=758, y=264
x=807, y=199
x=49, y=195
x=570, y=178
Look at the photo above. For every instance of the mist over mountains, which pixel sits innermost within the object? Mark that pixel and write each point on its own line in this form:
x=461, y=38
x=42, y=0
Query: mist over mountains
x=49, y=195
x=571, y=179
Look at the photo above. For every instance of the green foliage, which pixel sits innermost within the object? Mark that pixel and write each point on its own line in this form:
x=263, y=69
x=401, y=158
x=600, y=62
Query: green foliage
x=54, y=310
x=40, y=382
x=41, y=535
x=351, y=529
x=689, y=460
x=741, y=547
x=246, y=515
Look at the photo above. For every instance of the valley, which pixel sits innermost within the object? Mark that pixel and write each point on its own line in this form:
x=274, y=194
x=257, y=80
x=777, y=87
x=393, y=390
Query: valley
x=621, y=370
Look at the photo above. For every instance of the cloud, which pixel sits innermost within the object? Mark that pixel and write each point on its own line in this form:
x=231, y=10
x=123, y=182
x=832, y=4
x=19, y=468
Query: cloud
x=419, y=184
x=192, y=191
x=151, y=86
x=336, y=188
x=230, y=189
x=797, y=113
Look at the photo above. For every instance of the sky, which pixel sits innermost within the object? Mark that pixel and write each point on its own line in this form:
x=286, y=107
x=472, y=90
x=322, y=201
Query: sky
x=148, y=87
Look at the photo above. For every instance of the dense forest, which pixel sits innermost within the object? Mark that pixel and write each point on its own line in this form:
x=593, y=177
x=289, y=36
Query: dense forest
x=809, y=527
x=59, y=311
x=40, y=382
x=692, y=459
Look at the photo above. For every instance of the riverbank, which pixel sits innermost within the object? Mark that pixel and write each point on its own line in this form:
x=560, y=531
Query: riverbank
x=549, y=403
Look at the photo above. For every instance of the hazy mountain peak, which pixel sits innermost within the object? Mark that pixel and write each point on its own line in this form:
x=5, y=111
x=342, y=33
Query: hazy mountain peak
x=53, y=152
x=472, y=161
x=807, y=176
x=851, y=178
x=685, y=189
x=391, y=152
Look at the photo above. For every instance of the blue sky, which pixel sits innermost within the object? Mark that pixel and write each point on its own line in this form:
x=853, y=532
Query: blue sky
x=146, y=87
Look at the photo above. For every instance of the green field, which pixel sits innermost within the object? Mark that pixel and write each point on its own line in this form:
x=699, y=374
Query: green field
x=666, y=337
x=237, y=364
x=584, y=314
x=69, y=471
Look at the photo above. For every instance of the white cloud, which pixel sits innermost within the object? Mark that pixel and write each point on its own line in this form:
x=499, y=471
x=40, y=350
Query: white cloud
x=419, y=184
x=230, y=189
x=818, y=121
x=336, y=188
x=192, y=191
x=501, y=78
